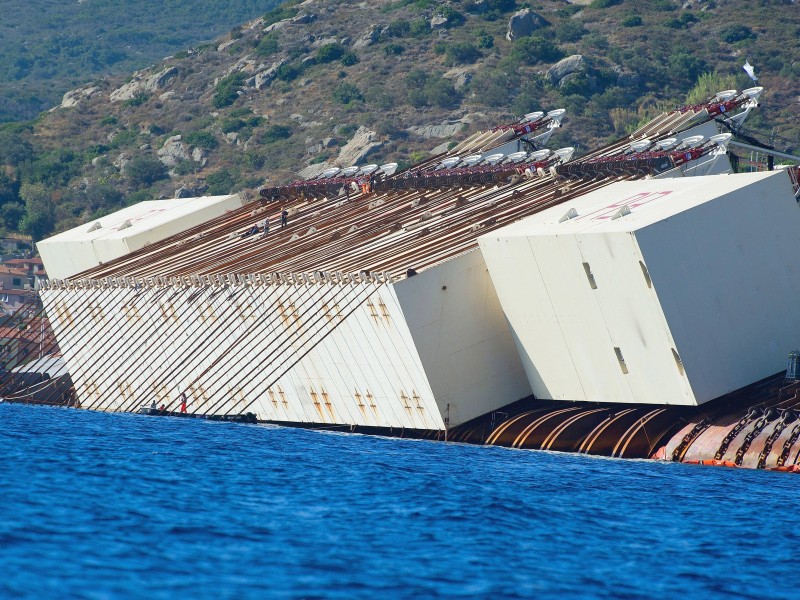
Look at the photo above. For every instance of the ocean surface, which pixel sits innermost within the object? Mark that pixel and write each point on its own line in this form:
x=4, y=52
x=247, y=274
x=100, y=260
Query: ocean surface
x=96, y=505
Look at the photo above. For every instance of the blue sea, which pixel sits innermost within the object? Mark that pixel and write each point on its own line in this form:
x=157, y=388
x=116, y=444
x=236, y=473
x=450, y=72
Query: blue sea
x=96, y=505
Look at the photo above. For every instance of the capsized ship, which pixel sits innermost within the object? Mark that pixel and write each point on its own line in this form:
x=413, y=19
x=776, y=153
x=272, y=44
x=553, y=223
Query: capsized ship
x=636, y=301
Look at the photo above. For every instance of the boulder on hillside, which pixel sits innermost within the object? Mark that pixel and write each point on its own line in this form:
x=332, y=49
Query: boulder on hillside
x=74, y=97
x=363, y=143
x=304, y=19
x=141, y=84
x=564, y=67
x=369, y=37
x=173, y=151
x=312, y=171
x=445, y=129
x=184, y=192
x=263, y=78
x=276, y=26
x=523, y=23
x=438, y=21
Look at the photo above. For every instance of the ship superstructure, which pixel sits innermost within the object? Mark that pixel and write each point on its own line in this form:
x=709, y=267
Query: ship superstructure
x=445, y=299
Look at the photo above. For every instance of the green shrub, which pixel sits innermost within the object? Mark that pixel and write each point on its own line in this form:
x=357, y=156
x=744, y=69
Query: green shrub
x=344, y=93
x=461, y=53
x=604, y=3
x=253, y=160
x=330, y=52
x=490, y=6
x=398, y=29
x=273, y=133
x=534, y=49
x=287, y=10
x=485, y=40
x=597, y=41
x=427, y=90
x=186, y=167
x=145, y=171
x=570, y=31
x=631, y=21
x=347, y=130
x=126, y=137
x=227, y=90
x=232, y=123
x=139, y=99
x=288, y=71
x=567, y=11
x=267, y=45
x=241, y=112
x=419, y=28
x=393, y=49
x=737, y=33
x=320, y=158
x=201, y=139
x=221, y=182
x=441, y=93
x=494, y=88
x=379, y=97
x=349, y=59
x=454, y=18
x=686, y=67
x=109, y=120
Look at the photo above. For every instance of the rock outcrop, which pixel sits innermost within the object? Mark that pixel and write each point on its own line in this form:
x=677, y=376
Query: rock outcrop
x=173, y=151
x=74, y=97
x=523, y=23
x=369, y=37
x=143, y=84
x=363, y=143
x=565, y=67
x=313, y=170
x=444, y=129
x=184, y=192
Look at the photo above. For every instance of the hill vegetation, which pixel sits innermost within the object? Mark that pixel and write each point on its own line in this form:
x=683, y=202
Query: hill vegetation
x=48, y=47
x=321, y=82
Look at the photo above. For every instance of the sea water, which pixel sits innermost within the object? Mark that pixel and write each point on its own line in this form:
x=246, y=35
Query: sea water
x=96, y=505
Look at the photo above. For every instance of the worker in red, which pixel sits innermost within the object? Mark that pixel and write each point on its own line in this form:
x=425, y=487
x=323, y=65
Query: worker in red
x=183, y=402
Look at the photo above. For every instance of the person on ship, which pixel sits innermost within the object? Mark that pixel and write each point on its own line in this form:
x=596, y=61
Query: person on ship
x=182, y=398
x=284, y=218
x=252, y=231
x=266, y=228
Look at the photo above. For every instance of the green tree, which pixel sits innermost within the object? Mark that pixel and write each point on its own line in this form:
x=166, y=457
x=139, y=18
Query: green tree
x=330, y=52
x=11, y=213
x=40, y=212
x=145, y=171
x=8, y=188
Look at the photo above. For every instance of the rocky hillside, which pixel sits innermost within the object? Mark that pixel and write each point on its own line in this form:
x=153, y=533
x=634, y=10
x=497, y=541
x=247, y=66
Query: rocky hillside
x=49, y=46
x=323, y=82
